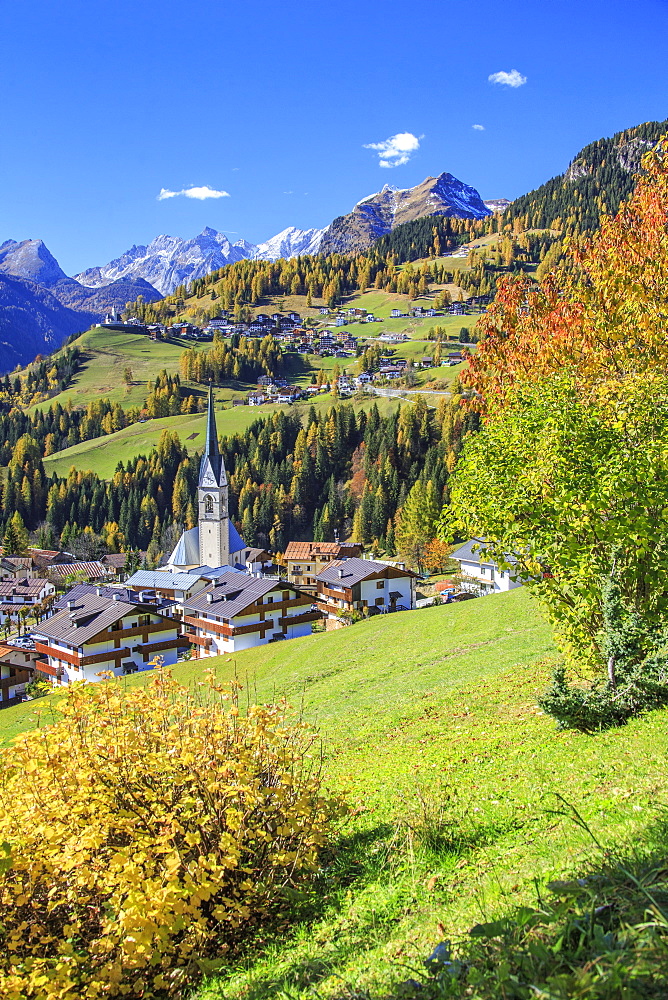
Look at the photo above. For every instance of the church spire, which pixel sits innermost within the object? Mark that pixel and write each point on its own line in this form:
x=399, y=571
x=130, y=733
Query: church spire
x=211, y=450
x=211, y=468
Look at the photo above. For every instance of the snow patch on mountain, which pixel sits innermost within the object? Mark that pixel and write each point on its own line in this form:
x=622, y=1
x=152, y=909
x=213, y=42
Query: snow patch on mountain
x=290, y=242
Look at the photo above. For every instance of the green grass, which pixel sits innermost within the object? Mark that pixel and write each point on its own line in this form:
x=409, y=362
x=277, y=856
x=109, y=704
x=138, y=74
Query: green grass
x=429, y=723
x=102, y=455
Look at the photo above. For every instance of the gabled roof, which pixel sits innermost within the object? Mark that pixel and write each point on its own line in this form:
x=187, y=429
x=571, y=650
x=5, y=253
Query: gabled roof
x=232, y=594
x=307, y=550
x=81, y=590
x=348, y=572
x=22, y=588
x=92, y=614
x=94, y=569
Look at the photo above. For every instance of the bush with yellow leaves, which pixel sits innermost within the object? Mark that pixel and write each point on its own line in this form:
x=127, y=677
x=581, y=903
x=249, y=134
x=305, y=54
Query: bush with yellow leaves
x=145, y=834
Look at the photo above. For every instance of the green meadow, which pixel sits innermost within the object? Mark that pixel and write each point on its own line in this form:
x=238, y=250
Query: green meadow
x=460, y=790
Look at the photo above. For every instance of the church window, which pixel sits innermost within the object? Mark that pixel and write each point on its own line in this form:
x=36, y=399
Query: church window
x=208, y=504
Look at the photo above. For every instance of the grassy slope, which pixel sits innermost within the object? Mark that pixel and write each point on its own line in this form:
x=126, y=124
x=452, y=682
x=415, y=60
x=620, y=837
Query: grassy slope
x=102, y=455
x=406, y=705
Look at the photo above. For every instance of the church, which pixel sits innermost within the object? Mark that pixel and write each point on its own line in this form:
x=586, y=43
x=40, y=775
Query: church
x=215, y=542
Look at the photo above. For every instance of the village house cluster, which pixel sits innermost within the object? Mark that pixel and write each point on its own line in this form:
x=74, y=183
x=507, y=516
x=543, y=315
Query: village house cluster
x=215, y=595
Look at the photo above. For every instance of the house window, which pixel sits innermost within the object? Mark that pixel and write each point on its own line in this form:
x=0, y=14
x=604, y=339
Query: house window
x=380, y=585
x=144, y=619
x=208, y=504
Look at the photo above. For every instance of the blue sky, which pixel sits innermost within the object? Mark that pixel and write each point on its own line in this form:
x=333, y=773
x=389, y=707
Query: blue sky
x=106, y=104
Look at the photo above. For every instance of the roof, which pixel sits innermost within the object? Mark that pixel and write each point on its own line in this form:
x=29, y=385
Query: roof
x=242, y=589
x=355, y=570
x=306, y=550
x=80, y=590
x=92, y=614
x=22, y=562
x=186, y=550
x=23, y=588
x=466, y=553
x=93, y=569
x=156, y=579
x=115, y=559
x=252, y=555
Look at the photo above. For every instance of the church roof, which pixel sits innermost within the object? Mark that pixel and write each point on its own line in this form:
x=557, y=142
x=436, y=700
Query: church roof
x=186, y=551
x=211, y=465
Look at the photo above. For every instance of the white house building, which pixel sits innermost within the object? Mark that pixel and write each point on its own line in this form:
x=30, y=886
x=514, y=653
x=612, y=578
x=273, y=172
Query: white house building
x=484, y=576
x=364, y=585
x=215, y=541
x=240, y=611
x=96, y=633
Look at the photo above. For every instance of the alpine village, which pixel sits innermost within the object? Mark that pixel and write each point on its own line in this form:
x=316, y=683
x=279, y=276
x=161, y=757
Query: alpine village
x=334, y=602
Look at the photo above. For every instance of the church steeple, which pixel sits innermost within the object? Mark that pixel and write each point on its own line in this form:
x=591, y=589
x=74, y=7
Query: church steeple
x=212, y=460
x=212, y=497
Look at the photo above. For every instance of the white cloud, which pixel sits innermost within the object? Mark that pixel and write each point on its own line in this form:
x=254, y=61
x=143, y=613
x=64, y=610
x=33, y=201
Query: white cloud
x=478, y=128
x=200, y=193
x=396, y=150
x=512, y=79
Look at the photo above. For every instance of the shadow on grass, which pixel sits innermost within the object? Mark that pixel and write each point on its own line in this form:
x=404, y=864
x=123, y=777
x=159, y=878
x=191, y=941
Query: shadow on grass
x=603, y=935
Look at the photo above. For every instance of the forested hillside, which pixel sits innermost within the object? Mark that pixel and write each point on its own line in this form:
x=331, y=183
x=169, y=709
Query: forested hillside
x=599, y=178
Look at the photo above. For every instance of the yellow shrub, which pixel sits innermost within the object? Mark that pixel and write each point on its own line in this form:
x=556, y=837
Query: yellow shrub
x=145, y=834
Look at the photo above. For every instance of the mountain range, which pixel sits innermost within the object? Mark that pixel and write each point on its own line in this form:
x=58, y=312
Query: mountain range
x=169, y=261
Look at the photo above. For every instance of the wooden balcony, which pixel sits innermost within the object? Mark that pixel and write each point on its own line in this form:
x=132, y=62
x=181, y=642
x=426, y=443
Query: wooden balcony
x=308, y=616
x=138, y=632
x=199, y=640
x=20, y=677
x=45, y=668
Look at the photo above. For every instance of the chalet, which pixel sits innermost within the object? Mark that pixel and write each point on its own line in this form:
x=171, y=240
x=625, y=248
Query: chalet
x=17, y=567
x=456, y=309
x=340, y=321
x=350, y=343
x=363, y=379
x=115, y=562
x=304, y=560
x=430, y=312
x=240, y=611
x=396, y=314
x=264, y=318
x=256, y=398
x=455, y=357
x=481, y=574
x=44, y=558
x=324, y=311
x=97, y=634
x=364, y=585
x=295, y=317
x=276, y=317
x=218, y=321
x=417, y=311
x=18, y=594
x=426, y=362
x=369, y=318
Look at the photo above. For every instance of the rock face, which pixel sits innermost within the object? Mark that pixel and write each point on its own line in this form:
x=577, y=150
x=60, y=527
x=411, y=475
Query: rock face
x=380, y=213
x=290, y=243
x=169, y=261
x=32, y=260
x=497, y=204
